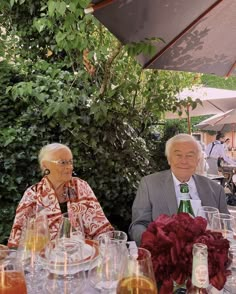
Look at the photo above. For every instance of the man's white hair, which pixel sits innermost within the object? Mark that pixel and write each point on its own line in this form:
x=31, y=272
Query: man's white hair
x=182, y=138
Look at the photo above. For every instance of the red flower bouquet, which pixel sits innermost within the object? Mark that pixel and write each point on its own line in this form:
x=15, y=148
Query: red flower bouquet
x=170, y=240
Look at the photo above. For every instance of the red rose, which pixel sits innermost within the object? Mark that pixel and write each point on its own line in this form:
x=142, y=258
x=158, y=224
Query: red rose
x=170, y=240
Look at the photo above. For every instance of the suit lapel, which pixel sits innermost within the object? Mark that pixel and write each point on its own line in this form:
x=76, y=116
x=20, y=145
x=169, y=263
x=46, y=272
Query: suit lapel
x=203, y=191
x=170, y=196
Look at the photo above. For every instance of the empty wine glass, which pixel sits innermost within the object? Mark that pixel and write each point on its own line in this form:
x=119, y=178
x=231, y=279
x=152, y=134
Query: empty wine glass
x=208, y=212
x=224, y=223
x=137, y=275
x=12, y=278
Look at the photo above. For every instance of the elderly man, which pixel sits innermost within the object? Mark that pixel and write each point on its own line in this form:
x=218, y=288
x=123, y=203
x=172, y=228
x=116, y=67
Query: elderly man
x=158, y=193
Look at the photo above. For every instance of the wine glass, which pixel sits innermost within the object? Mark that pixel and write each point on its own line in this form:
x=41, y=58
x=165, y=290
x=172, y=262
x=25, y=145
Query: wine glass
x=137, y=275
x=12, y=278
x=35, y=237
x=224, y=223
x=207, y=212
x=104, y=274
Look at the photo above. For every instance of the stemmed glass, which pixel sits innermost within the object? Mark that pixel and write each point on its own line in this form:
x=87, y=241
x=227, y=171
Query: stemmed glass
x=35, y=237
x=137, y=275
x=12, y=278
x=226, y=224
x=208, y=212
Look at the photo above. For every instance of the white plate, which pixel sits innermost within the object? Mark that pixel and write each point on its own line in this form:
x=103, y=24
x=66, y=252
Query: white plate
x=75, y=263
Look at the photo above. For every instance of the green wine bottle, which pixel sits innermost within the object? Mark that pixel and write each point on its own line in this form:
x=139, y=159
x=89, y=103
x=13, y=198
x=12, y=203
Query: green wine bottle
x=185, y=203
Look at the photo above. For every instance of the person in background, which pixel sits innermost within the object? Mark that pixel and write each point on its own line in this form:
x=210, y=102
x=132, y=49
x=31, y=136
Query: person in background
x=227, y=144
x=56, y=193
x=215, y=151
x=158, y=193
x=202, y=166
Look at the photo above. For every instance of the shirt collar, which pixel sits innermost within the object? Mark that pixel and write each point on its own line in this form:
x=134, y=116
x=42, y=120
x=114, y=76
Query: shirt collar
x=177, y=182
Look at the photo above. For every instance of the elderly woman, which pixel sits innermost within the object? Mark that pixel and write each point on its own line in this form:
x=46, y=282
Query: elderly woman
x=59, y=192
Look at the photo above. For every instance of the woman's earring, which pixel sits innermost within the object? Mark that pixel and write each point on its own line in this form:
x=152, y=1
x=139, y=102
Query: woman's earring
x=46, y=172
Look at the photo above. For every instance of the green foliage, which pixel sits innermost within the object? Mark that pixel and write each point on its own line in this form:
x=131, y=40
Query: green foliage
x=64, y=78
x=219, y=82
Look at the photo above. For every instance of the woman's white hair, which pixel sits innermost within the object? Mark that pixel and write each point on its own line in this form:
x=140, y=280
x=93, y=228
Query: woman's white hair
x=45, y=151
x=182, y=138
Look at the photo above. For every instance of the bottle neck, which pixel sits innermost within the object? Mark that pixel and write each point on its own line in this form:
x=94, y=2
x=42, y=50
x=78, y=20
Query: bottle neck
x=200, y=276
x=185, y=206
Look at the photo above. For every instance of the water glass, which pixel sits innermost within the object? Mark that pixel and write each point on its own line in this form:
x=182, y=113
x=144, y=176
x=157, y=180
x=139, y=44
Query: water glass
x=12, y=278
x=208, y=212
x=113, y=235
x=103, y=276
x=71, y=226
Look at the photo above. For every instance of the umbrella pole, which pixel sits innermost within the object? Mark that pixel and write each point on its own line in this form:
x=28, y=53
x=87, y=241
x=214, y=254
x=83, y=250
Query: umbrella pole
x=189, y=120
x=233, y=129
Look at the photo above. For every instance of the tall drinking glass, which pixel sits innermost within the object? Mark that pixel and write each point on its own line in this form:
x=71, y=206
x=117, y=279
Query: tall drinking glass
x=71, y=226
x=104, y=274
x=114, y=235
x=12, y=278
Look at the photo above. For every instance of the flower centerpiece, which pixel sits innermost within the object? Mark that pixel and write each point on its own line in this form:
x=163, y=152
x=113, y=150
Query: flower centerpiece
x=170, y=240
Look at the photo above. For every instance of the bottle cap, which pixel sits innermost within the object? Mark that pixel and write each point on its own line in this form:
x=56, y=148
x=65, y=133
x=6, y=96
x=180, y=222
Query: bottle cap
x=184, y=188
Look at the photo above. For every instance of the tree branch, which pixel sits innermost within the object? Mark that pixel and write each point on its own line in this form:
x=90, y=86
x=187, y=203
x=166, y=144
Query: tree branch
x=108, y=65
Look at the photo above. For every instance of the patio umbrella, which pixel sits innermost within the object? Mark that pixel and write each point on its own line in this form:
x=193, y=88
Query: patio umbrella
x=224, y=122
x=213, y=100
x=199, y=36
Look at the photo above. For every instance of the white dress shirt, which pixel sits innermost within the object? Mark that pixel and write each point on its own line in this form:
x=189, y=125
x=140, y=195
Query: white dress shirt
x=195, y=200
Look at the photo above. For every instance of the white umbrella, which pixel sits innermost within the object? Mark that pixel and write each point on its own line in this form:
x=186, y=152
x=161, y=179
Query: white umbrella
x=213, y=101
x=224, y=122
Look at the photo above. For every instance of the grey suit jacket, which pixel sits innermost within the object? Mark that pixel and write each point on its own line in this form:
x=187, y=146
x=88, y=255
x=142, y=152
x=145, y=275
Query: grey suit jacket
x=156, y=195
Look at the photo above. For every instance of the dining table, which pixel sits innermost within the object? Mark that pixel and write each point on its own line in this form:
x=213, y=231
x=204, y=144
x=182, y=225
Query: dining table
x=42, y=281
x=45, y=283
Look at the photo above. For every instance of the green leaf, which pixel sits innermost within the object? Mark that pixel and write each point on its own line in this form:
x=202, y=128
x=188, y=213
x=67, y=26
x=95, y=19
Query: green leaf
x=52, y=5
x=61, y=7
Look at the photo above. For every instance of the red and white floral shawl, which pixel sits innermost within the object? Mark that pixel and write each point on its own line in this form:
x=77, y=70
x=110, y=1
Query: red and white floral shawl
x=41, y=198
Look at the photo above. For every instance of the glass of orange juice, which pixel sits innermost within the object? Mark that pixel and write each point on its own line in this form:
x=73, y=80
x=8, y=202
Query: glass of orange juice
x=12, y=278
x=137, y=275
x=34, y=239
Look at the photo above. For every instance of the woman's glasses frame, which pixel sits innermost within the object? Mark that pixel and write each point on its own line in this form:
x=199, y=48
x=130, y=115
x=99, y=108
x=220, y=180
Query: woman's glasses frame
x=63, y=162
